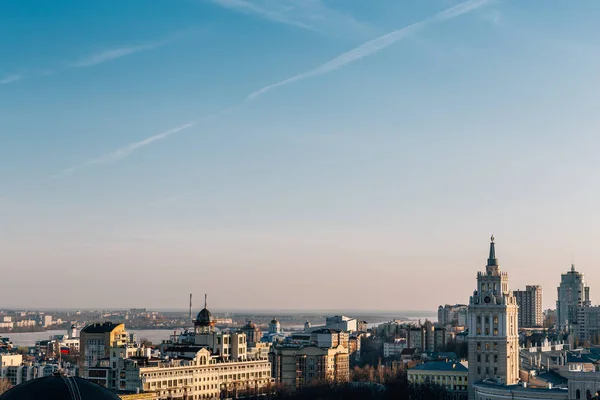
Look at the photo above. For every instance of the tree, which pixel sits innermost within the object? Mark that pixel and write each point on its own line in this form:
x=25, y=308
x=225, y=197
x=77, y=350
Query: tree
x=4, y=385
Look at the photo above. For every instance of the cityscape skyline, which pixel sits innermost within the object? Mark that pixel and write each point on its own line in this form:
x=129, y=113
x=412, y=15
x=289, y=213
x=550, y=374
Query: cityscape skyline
x=262, y=152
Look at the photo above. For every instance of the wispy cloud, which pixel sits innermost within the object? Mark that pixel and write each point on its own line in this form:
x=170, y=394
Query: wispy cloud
x=96, y=58
x=251, y=8
x=126, y=150
x=378, y=44
x=113, y=54
x=310, y=15
x=130, y=148
x=10, y=79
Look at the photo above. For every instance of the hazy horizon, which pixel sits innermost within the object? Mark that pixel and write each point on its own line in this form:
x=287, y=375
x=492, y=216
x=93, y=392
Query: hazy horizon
x=295, y=154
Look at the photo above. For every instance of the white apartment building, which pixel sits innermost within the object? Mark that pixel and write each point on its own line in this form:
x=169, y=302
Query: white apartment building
x=203, y=377
x=394, y=348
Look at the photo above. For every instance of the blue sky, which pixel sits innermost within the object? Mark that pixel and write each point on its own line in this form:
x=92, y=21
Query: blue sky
x=265, y=150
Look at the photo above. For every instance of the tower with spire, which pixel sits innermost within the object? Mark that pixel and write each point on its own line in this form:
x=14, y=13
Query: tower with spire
x=204, y=323
x=493, y=327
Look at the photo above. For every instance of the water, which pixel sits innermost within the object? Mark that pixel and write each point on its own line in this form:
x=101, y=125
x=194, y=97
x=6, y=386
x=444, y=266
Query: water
x=29, y=338
x=155, y=336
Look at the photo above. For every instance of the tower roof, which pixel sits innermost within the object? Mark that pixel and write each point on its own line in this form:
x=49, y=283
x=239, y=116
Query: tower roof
x=492, y=260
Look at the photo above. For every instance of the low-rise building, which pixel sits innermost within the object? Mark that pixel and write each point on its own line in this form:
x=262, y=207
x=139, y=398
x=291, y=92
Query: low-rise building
x=450, y=375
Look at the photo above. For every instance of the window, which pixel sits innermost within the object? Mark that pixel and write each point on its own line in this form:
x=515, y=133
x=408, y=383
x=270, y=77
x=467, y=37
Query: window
x=478, y=357
x=495, y=320
x=578, y=394
x=495, y=370
x=479, y=331
x=478, y=345
x=487, y=358
x=495, y=358
x=487, y=346
x=495, y=332
x=495, y=345
x=478, y=319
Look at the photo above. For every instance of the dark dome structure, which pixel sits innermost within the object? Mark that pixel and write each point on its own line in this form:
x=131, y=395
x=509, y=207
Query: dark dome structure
x=58, y=387
x=204, y=318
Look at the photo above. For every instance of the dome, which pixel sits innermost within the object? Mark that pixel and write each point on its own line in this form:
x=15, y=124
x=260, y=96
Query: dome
x=250, y=325
x=204, y=318
x=274, y=321
x=58, y=387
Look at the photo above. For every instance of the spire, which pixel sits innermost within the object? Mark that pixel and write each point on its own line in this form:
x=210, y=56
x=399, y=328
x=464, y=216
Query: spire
x=205, y=298
x=492, y=261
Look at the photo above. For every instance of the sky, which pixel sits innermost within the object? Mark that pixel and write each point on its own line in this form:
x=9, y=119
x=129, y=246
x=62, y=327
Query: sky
x=295, y=154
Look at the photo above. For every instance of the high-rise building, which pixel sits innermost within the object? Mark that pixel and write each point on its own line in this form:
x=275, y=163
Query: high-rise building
x=493, y=327
x=530, y=306
x=572, y=293
x=95, y=342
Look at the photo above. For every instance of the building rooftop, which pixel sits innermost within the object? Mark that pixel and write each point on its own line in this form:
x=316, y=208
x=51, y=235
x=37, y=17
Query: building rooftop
x=517, y=387
x=441, y=366
x=105, y=327
x=326, y=330
x=59, y=387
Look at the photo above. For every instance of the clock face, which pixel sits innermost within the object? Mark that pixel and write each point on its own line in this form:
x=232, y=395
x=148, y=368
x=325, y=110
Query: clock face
x=487, y=299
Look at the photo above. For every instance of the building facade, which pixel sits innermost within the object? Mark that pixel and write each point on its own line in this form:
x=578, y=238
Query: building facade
x=452, y=314
x=95, y=342
x=530, y=306
x=299, y=365
x=588, y=324
x=572, y=294
x=493, y=341
x=202, y=377
x=391, y=349
x=452, y=376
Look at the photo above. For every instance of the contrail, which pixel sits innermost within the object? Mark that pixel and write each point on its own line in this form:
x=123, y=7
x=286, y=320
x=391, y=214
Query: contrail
x=378, y=44
x=126, y=150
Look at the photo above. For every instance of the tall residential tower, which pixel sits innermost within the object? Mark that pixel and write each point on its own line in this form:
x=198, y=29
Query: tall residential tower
x=493, y=327
x=572, y=293
x=530, y=306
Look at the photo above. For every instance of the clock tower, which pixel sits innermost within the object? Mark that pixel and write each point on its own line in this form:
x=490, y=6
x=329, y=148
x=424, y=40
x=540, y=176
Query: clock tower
x=493, y=331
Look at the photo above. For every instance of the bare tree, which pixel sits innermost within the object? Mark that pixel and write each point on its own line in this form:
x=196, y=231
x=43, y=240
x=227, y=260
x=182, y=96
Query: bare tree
x=4, y=385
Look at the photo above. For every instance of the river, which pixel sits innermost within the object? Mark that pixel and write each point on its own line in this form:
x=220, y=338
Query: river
x=153, y=335
x=29, y=338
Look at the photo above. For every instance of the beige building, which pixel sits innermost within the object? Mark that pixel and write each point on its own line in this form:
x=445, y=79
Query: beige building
x=203, y=377
x=95, y=342
x=299, y=365
x=493, y=339
x=453, y=376
x=529, y=301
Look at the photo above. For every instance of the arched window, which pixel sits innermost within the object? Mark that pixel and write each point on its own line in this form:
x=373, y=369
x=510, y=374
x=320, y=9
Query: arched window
x=588, y=395
x=578, y=394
